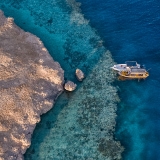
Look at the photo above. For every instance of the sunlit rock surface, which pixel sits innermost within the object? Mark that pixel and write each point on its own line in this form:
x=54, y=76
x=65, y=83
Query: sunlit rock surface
x=79, y=74
x=30, y=81
x=70, y=86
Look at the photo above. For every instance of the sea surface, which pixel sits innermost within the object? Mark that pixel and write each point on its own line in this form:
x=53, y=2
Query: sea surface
x=130, y=30
x=81, y=124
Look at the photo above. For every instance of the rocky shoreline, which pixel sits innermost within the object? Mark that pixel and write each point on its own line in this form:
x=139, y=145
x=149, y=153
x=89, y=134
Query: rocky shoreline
x=30, y=82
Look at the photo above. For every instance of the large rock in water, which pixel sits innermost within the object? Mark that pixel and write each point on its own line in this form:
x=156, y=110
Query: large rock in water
x=30, y=82
x=70, y=86
x=79, y=74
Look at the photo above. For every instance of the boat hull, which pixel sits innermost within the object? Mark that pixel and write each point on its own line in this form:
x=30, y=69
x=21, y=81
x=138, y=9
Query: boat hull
x=133, y=76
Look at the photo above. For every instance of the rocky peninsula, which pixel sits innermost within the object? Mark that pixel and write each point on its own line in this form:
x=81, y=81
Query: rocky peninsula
x=30, y=82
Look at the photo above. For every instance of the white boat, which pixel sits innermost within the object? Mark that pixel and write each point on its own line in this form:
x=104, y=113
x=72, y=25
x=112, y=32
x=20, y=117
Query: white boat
x=126, y=67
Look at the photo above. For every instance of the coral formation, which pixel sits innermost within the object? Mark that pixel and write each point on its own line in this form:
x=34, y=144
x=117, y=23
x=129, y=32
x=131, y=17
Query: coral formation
x=30, y=82
x=81, y=125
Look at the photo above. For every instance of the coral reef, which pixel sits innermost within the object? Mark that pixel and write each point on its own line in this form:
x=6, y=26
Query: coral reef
x=30, y=82
x=81, y=125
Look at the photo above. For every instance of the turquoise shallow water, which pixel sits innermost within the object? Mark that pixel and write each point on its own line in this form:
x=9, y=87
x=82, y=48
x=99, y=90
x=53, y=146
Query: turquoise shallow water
x=81, y=124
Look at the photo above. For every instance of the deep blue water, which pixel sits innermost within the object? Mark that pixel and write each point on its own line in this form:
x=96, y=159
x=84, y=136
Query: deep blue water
x=130, y=30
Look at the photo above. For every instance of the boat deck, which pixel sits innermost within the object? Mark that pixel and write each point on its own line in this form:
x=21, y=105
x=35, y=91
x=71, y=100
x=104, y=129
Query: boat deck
x=135, y=74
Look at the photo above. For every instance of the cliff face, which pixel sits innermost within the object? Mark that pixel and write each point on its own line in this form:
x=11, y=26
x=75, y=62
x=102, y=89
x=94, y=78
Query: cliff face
x=30, y=81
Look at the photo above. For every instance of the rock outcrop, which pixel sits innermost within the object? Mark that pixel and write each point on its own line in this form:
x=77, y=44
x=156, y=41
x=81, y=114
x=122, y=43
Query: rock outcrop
x=70, y=86
x=30, y=82
x=79, y=74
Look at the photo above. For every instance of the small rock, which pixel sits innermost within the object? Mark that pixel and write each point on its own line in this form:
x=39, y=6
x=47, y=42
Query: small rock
x=70, y=86
x=79, y=74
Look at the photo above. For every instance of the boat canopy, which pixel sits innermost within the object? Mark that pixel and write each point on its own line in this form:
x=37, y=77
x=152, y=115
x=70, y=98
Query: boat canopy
x=138, y=70
x=131, y=63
